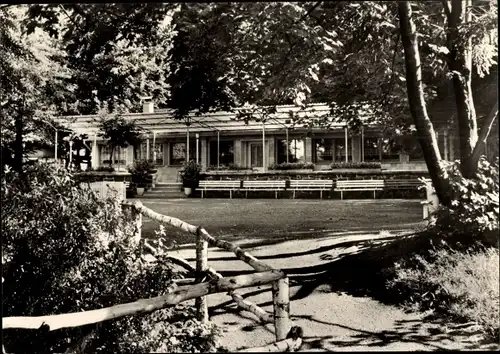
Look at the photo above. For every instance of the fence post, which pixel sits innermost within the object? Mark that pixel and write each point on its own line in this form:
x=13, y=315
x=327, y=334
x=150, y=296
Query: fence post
x=281, y=304
x=138, y=223
x=201, y=266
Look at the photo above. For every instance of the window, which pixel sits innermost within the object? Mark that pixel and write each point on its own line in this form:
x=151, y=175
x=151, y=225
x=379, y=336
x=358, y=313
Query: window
x=296, y=152
x=340, y=149
x=178, y=152
x=140, y=152
x=371, y=149
x=323, y=150
x=226, y=152
x=119, y=155
x=389, y=150
x=330, y=150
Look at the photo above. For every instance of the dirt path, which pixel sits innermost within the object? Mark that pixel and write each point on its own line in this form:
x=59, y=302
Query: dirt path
x=331, y=321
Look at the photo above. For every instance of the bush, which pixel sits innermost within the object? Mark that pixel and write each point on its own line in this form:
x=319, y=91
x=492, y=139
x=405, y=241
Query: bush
x=292, y=166
x=105, y=169
x=228, y=167
x=460, y=284
x=67, y=250
x=191, y=174
x=140, y=172
x=353, y=164
x=475, y=208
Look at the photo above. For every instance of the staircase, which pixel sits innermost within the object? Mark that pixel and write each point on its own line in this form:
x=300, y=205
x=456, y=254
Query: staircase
x=165, y=190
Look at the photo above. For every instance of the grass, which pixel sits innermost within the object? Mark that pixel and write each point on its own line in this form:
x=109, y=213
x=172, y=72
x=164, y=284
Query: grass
x=463, y=285
x=279, y=220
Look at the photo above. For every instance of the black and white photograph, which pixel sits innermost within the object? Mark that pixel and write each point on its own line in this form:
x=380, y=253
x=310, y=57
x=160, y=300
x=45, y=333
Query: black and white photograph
x=256, y=176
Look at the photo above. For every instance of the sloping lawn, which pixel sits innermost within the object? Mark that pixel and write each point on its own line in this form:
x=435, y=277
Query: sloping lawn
x=278, y=220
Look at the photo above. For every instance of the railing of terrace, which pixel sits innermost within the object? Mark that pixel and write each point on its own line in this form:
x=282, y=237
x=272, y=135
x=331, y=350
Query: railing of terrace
x=288, y=335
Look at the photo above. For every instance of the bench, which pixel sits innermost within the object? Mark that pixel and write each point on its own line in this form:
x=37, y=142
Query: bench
x=359, y=185
x=402, y=184
x=311, y=185
x=219, y=186
x=264, y=186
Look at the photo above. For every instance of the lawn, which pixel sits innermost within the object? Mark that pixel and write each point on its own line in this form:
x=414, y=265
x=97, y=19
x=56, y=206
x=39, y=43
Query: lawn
x=278, y=220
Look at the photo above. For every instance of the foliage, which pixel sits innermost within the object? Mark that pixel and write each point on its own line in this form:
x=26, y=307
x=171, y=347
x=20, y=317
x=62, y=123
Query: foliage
x=30, y=82
x=460, y=284
x=141, y=172
x=105, y=169
x=190, y=174
x=67, y=250
x=116, y=52
x=474, y=208
x=292, y=166
x=169, y=332
x=228, y=167
x=118, y=131
x=354, y=164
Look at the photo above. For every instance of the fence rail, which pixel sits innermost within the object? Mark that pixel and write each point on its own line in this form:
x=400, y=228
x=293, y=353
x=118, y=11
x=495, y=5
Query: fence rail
x=288, y=336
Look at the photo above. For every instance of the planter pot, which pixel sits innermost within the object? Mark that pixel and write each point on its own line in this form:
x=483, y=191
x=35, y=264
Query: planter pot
x=188, y=191
x=140, y=190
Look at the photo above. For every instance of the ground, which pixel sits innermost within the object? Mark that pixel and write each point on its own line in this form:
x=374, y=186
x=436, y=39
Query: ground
x=310, y=240
x=276, y=220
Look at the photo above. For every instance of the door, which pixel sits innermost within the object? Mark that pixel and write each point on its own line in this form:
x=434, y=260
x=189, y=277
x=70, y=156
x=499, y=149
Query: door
x=255, y=154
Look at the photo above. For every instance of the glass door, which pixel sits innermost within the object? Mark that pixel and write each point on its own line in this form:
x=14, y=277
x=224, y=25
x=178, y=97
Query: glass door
x=256, y=155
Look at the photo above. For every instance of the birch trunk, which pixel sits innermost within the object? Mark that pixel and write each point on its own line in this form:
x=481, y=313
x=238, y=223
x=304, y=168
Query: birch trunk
x=178, y=295
x=201, y=266
x=426, y=133
x=286, y=345
x=281, y=303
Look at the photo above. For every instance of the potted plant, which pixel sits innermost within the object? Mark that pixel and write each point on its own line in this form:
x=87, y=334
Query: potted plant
x=140, y=175
x=190, y=175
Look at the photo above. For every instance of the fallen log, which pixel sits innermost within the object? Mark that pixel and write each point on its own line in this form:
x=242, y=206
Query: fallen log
x=178, y=295
x=263, y=315
x=286, y=345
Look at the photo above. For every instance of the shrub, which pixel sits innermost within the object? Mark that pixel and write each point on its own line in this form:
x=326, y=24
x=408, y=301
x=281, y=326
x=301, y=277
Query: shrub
x=460, y=284
x=228, y=167
x=292, y=166
x=140, y=172
x=191, y=174
x=475, y=208
x=67, y=250
x=105, y=169
x=354, y=164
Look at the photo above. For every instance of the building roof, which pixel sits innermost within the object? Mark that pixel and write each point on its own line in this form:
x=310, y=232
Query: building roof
x=162, y=122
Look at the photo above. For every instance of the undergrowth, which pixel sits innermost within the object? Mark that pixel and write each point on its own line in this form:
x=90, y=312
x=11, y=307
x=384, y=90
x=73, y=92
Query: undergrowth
x=457, y=273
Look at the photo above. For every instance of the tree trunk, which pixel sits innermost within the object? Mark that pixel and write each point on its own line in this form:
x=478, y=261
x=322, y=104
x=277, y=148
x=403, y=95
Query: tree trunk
x=483, y=135
x=425, y=129
x=460, y=65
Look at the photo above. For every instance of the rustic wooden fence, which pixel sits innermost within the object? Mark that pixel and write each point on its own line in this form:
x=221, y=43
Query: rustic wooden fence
x=288, y=335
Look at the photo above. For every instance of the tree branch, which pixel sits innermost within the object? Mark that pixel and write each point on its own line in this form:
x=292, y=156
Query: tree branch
x=484, y=133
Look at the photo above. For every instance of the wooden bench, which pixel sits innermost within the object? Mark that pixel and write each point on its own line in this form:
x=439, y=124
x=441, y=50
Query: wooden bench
x=311, y=185
x=219, y=186
x=359, y=185
x=402, y=184
x=264, y=186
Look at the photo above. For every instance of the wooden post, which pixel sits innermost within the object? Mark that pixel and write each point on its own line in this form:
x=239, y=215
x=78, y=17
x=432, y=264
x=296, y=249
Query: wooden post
x=201, y=266
x=138, y=224
x=281, y=304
